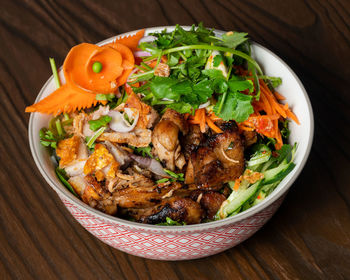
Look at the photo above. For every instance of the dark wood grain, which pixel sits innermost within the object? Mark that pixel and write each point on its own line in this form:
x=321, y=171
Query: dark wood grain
x=309, y=237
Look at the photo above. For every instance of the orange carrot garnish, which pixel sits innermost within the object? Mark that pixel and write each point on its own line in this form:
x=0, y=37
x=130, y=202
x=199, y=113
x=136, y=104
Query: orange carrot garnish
x=128, y=61
x=130, y=41
x=82, y=82
x=212, y=125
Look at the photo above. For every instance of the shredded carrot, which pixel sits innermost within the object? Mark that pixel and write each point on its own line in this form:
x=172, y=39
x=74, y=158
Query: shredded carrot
x=237, y=183
x=153, y=63
x=279, y=96
x=202, y=118
x=212, y=125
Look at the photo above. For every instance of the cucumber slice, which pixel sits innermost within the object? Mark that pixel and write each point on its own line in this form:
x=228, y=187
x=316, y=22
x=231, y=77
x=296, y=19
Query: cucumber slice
x=278, y=173
x=236, y=200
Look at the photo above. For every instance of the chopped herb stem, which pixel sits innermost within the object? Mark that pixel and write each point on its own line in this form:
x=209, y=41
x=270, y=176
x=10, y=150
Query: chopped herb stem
x=222, y=102
x=54, y=72
x=141, y=74
x=208, y=47
x=59, y=127
x=146, y=66
x=95, y=136
x=66, y=116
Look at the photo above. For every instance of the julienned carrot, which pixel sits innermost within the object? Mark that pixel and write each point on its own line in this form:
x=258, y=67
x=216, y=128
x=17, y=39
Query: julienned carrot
x=200, y=117
x=237, y=183
x=130, y=41
x=279, y=96
x=212, y=125
x=153, y=63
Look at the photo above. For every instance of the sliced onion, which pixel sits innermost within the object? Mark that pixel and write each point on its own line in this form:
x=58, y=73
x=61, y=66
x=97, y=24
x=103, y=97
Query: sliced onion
x=204, y=105
x=228, y=158
x=119, y=124
x=141, y=53
x=147, y=39
x=151, y=164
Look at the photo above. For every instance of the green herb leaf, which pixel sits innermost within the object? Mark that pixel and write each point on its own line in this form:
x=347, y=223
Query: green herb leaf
x=171, y=222
x=233, y=39
x=61, y=174
x=181, y=107
x=217, y=60
x=240, y=85
x=144, y=151
x=237, y=106
x=106, y=97
x=102, y=121
x=176, y=176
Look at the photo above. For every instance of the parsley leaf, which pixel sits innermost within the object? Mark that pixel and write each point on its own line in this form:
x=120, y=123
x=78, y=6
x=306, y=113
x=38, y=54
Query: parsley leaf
x=144, y=151
x=171, y=222
x=181, y=107
x=233, y=39
x=237, y=106
x=240, y=85
x=217, y=60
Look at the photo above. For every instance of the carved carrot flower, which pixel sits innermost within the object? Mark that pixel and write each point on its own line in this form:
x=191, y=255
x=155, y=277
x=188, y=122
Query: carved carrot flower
x=89, y=70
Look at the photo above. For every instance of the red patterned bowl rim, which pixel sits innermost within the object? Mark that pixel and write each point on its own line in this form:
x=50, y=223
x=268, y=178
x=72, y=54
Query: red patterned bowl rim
x=275, y=195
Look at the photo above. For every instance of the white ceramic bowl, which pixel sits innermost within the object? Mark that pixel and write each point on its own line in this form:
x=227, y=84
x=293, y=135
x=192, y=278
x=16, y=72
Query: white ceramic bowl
x=191, y=241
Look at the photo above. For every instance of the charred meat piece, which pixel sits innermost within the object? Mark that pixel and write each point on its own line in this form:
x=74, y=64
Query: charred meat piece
x=218, y=160
x=93, y=193
x=165, y=139
x=249, y=137
x=177, y=208
x=192, y=140
x=210, y=201
x=138, y=191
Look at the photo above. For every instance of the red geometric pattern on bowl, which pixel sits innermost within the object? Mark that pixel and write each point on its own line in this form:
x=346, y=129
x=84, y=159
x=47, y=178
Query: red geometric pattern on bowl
x=161, y=245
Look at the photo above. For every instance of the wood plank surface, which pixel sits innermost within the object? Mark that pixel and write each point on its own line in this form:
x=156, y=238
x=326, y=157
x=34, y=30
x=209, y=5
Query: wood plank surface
x=308, y=238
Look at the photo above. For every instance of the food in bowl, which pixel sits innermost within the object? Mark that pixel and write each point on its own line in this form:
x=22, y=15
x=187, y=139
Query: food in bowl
x=174, y=128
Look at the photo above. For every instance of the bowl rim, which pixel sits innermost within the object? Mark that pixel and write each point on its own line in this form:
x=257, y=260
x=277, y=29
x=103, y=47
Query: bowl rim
x=274, y=196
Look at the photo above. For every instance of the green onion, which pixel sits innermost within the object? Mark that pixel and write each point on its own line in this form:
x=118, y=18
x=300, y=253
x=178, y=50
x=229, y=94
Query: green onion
x=54, y=71
x=62, y=176
x=164, y=180
x=59, y=127
x=95, y=136
x=146, y=66
x=66, y=116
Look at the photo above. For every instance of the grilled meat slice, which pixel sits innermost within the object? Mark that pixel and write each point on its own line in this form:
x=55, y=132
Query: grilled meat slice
x=210, y=201
x=93, y=193
x=177, y=208
x=249, y=137
x=141, y=192
x=192, y=140
x=139, y=137
x=218, y=160
x=165, y=139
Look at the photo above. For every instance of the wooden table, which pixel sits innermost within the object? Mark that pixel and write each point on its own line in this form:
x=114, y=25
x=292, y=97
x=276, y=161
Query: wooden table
x=309, y=237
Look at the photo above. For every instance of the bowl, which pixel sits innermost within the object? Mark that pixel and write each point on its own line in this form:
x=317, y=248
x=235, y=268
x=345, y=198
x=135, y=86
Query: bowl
x=190, y=241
